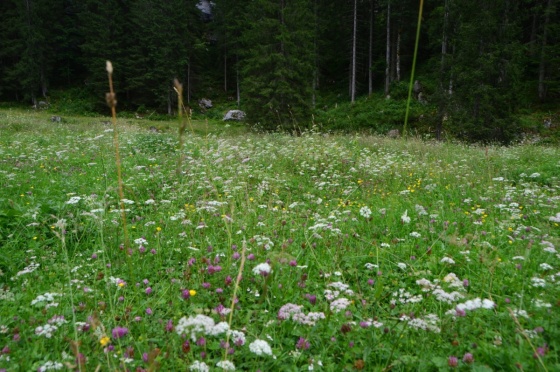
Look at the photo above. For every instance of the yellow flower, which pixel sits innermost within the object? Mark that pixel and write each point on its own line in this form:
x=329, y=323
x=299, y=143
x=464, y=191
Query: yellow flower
x=121, y=284
x=104, y=341
x=192, y=292
x=158, y=229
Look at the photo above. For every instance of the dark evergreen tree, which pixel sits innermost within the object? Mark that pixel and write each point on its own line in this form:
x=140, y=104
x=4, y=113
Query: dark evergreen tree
x=484, y=70
x=278, y=63
x=106, y=32
x=29, y=53
x=164, y=39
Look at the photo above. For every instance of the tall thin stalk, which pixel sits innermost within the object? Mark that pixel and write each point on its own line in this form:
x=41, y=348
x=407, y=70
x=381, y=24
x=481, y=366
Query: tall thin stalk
x=182, y=125
x=111, y=99
x=405, y=134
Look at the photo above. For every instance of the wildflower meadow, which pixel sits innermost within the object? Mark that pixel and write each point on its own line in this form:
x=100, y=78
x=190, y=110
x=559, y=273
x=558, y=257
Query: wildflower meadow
x=271, y=252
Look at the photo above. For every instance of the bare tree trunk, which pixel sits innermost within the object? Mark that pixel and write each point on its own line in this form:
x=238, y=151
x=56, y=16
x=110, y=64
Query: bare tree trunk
x=189, y=83
x=443, y=68
x=542, y=64
x=353, y=77
x=225, y=69
x=388, y=51
x=398, y=56
x=238, y=90
x=370, y=53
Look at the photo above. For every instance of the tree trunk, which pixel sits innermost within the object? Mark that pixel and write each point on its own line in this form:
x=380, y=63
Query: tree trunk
x=237, y=90
x=388, y=51
x=542, y=64
x=370, y=52
x=189, y=83
x=443, y=68
x=398, y=56
x=225, y=69
x=353, y=77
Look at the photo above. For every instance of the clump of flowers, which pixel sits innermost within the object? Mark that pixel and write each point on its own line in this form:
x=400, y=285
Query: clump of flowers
x=260, y=347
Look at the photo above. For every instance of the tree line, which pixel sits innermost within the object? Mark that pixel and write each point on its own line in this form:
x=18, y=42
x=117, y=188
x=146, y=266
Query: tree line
x=478, y=61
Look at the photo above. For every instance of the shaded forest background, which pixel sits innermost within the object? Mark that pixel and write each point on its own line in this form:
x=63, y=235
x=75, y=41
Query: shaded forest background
x=289, y=63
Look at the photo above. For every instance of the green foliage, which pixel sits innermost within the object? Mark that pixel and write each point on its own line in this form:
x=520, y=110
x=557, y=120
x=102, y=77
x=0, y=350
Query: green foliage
x=405, y=231
x=278, y=64
x=376, y=114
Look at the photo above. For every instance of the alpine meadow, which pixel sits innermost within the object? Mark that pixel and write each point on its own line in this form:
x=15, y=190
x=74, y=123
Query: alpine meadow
x=273, y=185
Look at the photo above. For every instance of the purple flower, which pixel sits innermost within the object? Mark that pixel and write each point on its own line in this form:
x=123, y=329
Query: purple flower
x=148, y=290
x=169, y=326
x=206, y=285
x=228, y=280
x=219, y=290
x=137, y=318
x=153, y=251
x=149, y=311
x=370, y=281
x=119, y=332
x=185, y=294
x=452, y=361
x=214, y=269
x=145, y=357
x=251, y=257
x=293, y=263
x=468, y=358
x=236, y=255
x=302, y=344
x=191, y=261
x=201, y=341
x=312, y=298
x=145, y=281
x=94, y=256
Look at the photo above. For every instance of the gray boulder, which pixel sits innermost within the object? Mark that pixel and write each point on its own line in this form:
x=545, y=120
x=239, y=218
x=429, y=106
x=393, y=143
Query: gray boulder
x=205, y=103
x=234, y=115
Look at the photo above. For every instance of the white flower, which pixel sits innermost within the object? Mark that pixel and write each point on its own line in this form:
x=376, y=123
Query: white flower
x=365, y=212
x=237, y=337
x=401, y=265
x=538, y=282
x=74, y=200
x=50, y=366
x=447, y=260
x=226, y=365
x=415, y=234
x=555, y=218
x=405, y=218
x=545, y=266
x=260, y=347
x=535, y=175
x=199, y=367
x=262, y=269
x=340, y=304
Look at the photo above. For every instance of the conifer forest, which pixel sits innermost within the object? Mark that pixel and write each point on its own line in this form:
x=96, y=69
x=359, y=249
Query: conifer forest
x=289, y=63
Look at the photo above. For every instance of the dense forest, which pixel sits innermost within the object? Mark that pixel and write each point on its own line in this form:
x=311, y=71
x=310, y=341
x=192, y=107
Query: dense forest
x=286, y=61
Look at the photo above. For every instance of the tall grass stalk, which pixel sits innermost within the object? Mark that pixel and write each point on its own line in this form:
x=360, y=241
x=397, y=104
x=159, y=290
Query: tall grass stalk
x=405, y=134
x=234, y=295
x=61, y=225
x=182, y=124
x=111, y=98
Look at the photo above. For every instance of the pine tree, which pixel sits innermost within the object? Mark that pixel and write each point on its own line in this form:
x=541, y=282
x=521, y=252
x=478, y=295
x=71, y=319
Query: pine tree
x=278, y=63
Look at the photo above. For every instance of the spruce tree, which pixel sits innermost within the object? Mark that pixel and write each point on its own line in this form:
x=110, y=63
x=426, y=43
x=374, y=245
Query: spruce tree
x=278, y=62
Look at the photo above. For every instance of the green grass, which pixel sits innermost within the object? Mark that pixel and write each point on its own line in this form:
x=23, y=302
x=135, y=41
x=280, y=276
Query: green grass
x=328, y=213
